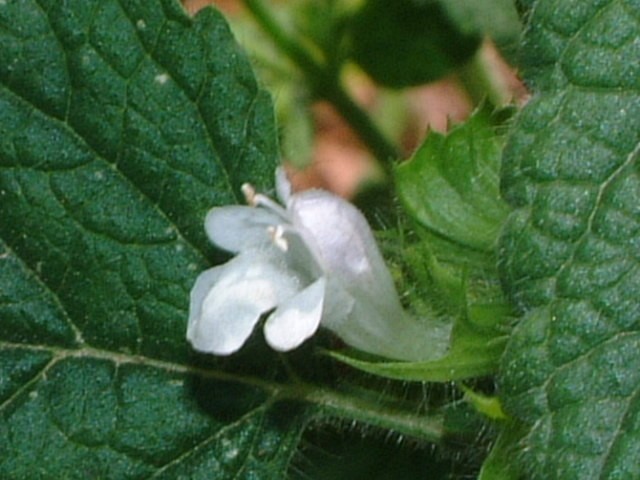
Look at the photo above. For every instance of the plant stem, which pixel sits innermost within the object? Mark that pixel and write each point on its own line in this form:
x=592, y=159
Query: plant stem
x=361, y=122
x=325, y=84
x=424, y=427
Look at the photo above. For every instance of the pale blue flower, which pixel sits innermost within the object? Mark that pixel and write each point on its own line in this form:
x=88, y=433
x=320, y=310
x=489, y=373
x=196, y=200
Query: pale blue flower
x=312, y=263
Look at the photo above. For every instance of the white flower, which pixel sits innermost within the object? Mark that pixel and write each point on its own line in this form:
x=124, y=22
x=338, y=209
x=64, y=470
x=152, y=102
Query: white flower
x=314, y=263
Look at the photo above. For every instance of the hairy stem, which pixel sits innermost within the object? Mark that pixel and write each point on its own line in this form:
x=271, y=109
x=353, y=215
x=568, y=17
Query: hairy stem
x=424, y=427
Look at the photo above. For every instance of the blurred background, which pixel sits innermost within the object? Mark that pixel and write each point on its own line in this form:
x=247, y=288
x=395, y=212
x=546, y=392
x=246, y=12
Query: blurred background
x=319, y=146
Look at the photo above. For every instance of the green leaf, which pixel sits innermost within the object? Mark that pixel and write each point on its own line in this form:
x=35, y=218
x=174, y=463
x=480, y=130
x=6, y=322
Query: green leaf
x=489, y=406
x=121, y=123
x=475, y=351
x=408, y=42
x=569, y=253
x=450, y=185
x=500, y=464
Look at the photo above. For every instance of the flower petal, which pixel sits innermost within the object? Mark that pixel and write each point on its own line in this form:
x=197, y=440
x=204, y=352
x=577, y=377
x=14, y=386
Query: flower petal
x=389, y=333
x=227, y=301
x=296, y=319
x=236, y=228
x=300, y=256
x=346, y=247
x=338, y=305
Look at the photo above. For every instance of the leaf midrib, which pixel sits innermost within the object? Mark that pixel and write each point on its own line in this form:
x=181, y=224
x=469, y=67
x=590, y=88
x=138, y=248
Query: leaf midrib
x=597, y=206
x=330, y=403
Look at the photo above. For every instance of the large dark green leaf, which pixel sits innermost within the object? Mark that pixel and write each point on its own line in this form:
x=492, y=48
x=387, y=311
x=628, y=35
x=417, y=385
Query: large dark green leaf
x=121, y=123
x=569, y=253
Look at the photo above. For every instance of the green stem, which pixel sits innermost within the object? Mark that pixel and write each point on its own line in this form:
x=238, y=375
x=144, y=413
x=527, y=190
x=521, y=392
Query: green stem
x=325, y=83
x=361, y=122
x=332, y=403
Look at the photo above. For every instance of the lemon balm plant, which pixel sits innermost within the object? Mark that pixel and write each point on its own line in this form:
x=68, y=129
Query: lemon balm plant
x=490, y=318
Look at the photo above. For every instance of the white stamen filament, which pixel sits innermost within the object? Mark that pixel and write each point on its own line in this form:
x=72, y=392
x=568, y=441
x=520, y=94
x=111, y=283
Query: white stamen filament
x=277, y=236
x=259, y=200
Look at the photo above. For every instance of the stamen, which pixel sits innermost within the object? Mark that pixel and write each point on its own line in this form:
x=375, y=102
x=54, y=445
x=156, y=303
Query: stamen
x=277, y=236
x=249, y=194
x=259, y=200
